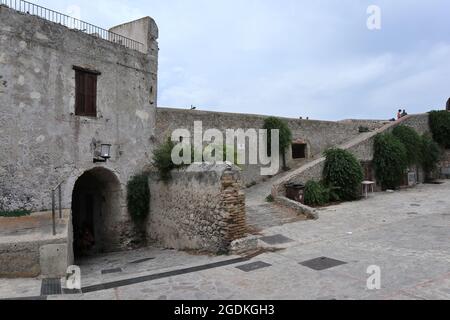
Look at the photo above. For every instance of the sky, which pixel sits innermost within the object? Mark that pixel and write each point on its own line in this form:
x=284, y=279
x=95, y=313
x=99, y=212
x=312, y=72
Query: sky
x=292, y=58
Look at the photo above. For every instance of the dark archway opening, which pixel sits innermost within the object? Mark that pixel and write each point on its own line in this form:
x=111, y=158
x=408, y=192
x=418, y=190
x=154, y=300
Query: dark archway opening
x=95, y=208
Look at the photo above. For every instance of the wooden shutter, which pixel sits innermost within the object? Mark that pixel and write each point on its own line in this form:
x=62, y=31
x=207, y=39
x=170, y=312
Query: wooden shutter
x=85, y=92
x=79, y=93
x=91, y=95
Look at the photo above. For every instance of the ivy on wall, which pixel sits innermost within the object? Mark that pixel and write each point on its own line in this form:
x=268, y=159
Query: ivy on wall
x=412, y=142
x=440, y=127
x=390, y=160
x=138, y=197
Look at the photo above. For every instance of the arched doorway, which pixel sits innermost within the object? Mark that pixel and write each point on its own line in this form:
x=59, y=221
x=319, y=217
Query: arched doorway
x=95, y=212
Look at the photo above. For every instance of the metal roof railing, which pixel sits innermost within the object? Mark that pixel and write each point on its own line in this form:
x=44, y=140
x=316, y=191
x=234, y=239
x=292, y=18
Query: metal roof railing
x=72, y=23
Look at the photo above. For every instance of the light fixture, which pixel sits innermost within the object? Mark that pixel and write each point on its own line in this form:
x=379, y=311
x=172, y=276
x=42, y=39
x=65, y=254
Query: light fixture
x=104, y=154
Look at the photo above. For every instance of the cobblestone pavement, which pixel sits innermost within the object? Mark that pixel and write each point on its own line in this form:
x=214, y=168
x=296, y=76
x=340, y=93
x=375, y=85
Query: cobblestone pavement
x=405, y=233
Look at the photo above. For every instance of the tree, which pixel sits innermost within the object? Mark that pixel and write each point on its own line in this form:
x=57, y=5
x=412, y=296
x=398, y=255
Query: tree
x=273, y=123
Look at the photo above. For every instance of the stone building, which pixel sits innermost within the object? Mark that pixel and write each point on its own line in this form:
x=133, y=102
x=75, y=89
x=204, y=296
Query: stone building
x=63, y=94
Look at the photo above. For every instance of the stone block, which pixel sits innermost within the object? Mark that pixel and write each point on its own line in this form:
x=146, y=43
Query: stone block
x=53, y=260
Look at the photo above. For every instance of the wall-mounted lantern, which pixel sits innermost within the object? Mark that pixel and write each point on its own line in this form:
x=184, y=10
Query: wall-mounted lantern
x=104, y=154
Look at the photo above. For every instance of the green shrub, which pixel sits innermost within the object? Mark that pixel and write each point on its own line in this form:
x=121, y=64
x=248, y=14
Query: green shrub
x=343, y=173
x=162, y=159
x=15, y=213
x=273, y=123
x=316, y=194
x=138, y=197
x=430, y=154
x=390, y=160
x=412, y=142
x=270, y=198
x=440, y=127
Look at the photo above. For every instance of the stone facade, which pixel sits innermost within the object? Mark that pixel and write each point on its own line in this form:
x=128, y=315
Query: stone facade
x=200, y=208
x=43, y=142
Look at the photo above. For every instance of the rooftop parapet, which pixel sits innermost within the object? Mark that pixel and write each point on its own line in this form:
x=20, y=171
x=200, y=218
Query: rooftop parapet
x=73, y=23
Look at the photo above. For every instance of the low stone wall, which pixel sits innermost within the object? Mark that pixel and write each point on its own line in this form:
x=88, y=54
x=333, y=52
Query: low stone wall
x=30, y=253
x=361, y=147
x=200, y=208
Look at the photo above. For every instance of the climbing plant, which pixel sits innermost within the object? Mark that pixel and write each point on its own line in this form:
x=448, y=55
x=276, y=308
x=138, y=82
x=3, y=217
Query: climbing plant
x=440, y=127
x=412, y=142
x=390, y=160
x=343, y=173
x=138, y=196
x=429, y=155
x=273, y=123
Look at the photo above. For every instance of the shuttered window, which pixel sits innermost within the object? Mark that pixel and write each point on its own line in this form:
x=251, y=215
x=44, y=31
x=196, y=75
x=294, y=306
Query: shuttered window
x=85, y=92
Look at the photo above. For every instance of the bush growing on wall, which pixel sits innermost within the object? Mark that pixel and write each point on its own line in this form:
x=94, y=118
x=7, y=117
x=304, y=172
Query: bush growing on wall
x=440, y=127
x=162, y=159
x=390, y=160
x=138, y=197
x=316, y=194
x=344, y=173
x=273, y=123
x=412, y=142
x=430, y=154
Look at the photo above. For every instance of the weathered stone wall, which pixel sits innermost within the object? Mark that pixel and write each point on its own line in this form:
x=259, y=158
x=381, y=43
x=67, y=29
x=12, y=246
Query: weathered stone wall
x=42, y=142
x=319, y=135
x=200, y=208
x=361, y=147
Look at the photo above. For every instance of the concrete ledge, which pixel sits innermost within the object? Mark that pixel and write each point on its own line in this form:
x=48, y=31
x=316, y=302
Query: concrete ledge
x=28, y=249
x=300, y=208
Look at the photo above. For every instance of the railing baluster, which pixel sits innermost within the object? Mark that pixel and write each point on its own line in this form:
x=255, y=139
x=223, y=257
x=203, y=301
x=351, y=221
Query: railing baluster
x=53, y=213
x=60, y=201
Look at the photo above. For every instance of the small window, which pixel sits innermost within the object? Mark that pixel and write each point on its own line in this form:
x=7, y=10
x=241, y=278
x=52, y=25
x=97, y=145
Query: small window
x=85, y=92
x=299, y=151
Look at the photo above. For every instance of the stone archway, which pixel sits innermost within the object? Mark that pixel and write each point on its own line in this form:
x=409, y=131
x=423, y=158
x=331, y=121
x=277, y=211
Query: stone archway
x=96, y=210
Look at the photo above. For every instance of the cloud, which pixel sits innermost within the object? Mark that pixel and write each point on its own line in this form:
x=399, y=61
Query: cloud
x=295, y=58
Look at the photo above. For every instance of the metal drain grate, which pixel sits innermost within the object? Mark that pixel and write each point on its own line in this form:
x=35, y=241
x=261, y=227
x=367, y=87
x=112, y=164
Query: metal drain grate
x=70, y=291
x=276, y=239
x=322, y=263
x=142, y=260
x=253, y=266
x=50, y=287
x=109, y=271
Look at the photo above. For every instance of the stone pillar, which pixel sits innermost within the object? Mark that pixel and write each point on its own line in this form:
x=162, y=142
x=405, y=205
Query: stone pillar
x=233, y=203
